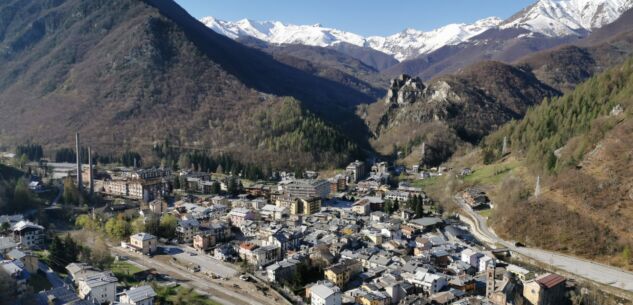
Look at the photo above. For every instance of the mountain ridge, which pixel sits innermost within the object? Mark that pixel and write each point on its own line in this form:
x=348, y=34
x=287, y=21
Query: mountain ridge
x=409, y=43
x=549, y=18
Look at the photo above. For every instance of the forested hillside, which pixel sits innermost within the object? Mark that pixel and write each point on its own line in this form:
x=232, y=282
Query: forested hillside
x=128, y=74
x=579, y=145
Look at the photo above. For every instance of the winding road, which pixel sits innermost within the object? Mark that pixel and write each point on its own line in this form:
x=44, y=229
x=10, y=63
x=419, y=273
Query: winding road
x=596, y=272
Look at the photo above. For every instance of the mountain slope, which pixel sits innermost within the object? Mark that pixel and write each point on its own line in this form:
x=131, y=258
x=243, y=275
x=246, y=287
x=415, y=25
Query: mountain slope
x=578, y=144
x=127, y=73
x=622, y=25
x=452, y=110
x=557, y=18
x=505, y=45
x=326, y=63
x=566, y=67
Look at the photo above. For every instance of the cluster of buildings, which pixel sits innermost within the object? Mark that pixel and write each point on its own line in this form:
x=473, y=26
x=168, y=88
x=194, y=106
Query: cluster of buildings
x=18, y=239
x=364, y=255
x=357, y=252
x=138, y=184
x=86, y=285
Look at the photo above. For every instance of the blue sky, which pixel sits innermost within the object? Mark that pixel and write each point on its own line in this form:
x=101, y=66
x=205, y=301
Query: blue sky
x=365, y=17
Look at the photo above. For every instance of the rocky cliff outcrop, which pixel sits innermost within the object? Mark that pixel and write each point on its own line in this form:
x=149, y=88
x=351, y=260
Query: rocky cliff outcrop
x=404, y=90
x=452, y=110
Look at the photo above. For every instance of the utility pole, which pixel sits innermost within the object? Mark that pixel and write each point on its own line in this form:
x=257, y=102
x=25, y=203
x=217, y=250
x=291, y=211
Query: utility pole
x=504, y=148
x=91, y=182
x=537, y=189
x=79, y=171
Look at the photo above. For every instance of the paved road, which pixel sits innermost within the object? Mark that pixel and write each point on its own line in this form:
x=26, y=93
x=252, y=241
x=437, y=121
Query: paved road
x=593, y=271
x=218, y=293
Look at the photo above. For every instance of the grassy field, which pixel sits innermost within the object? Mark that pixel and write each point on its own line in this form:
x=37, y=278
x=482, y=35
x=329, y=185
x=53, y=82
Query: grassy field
x=125, y=271
x=125, y=268
x=485, y=213
x=167, y=295
x=428, y=182
x=492, y=174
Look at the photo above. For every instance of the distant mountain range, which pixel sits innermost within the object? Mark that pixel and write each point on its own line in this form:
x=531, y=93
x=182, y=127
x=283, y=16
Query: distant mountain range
x=407, y=44
x=548, y=18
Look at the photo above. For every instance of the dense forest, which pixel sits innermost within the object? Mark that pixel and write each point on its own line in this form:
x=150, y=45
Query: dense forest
x=33, y=152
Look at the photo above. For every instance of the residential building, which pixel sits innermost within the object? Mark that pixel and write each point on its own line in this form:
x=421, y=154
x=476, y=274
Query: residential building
x=362, y=206
x=258, y=256
x=203, y=241
x=186, y=229
x=341, y=273
x=285, y=240
x=429, y=282
x=29, y=260
x=99, y=288
x=132, y=188
x=282, y=271
x=380, y=168
x=224, y=252
x=273, y=212
x=367, y=186
x=307, y=206
x=142, y=295
x=239, y=216
x=356, y=171
x=308, y=188
x=15, y=269
x=158, y=206
x=220, y=231
x=28, y=234
x=475, y=197
x=400, y=196
x=337, y=184
x=144, y=243
x=325, y=294
x=471, y=257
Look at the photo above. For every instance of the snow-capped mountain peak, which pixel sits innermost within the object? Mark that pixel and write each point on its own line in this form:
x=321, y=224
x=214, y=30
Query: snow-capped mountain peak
x=553, y=18
x=568, y=17
x=407, y=44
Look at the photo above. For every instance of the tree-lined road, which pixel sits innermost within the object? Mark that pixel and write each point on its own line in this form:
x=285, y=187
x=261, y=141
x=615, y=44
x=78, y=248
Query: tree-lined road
x=593, y=271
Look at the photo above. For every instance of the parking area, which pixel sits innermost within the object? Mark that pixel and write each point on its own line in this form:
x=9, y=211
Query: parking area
x=208, y=264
